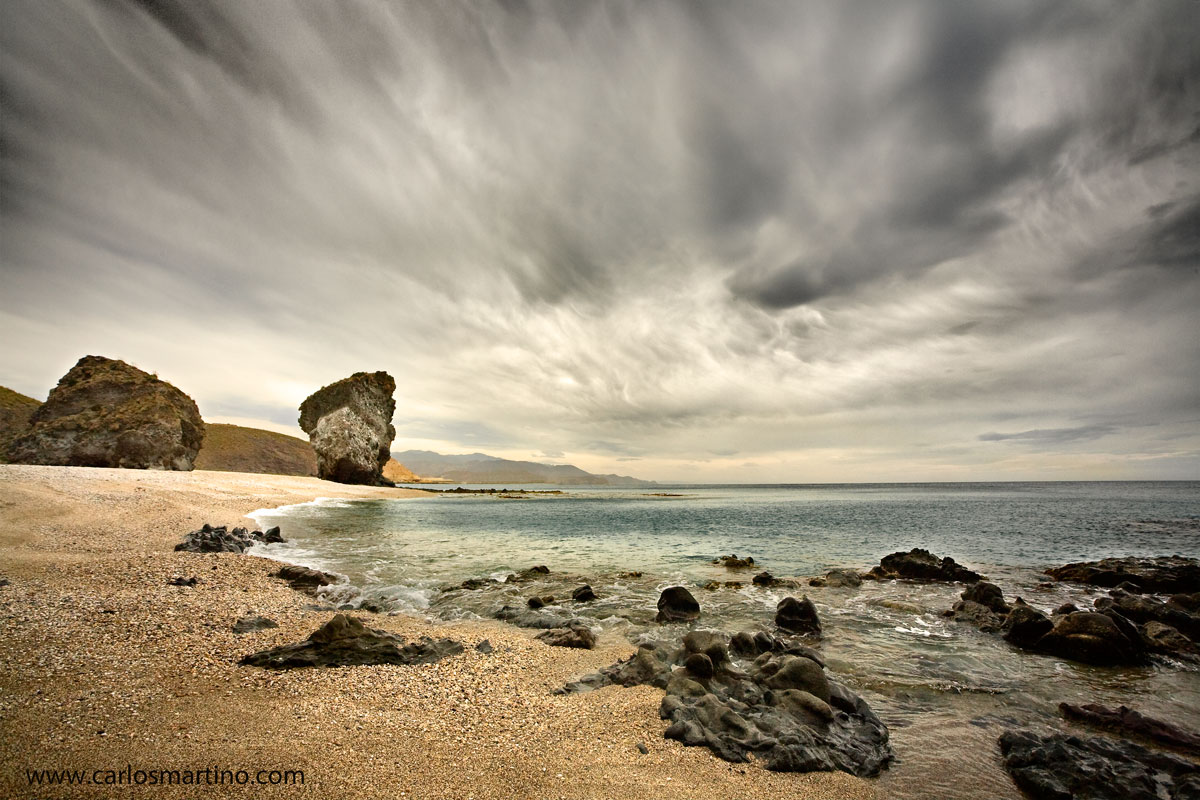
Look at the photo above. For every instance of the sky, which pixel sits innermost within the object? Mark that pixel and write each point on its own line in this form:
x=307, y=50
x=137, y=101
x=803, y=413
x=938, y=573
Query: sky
x=684, y=241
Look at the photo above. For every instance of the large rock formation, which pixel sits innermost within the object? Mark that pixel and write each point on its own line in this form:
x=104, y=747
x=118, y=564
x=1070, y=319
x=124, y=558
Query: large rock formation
x=344, y=641
x=15, y=411
x=921, y=565
x=350, y=426
x=1165, y=574
x=106, y=413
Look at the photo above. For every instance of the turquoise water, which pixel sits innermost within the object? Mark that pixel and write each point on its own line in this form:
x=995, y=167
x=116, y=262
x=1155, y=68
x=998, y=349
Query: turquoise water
x=945, y=689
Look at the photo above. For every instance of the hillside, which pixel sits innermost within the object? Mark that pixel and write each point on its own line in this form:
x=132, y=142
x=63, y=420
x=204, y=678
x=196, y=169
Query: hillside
x=15, y=410
x=482, y=468
x=232, y=448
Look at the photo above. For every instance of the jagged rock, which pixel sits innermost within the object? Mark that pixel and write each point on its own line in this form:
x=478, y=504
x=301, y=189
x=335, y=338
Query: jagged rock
x=755, y=644
x=304, y=579
x=921, y=565
x=350, y=426
x=251, y=623
x=345, y=641
x=1164, y=639
x=783, y=710
x=1059, y=767
x=576, y=634
x=676, y=604
x=1127, y=722
x=583, y=594
x=1161, y=575
x=837, y=578
x=222, y=540
x=733, y=562
x=797, y=616
x=1092, y=638
x=106, y=413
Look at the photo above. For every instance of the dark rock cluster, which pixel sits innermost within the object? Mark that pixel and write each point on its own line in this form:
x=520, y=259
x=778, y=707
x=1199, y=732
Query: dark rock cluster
x=1128, y=722
x=779, y=706
x=1161, y=575
x=1122, y=629
x=106, y=413
x=350, y=426
x=921, y=565
x=223, y=540
x=574, y=634
x=733, y=562
x=1060, y=766
x=345, y=641
x=304, y=579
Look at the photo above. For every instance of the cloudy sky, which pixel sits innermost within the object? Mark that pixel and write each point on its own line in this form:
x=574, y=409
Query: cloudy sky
x=794, y=241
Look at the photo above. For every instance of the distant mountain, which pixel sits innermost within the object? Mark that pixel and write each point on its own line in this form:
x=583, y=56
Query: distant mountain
x=15, y=410
x=482, y=468
x=233, y=448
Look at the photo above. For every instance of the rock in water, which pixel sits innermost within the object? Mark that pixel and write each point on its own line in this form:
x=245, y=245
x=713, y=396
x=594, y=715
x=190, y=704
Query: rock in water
x=676, y=604
x=1126, y=721
x=1058, y=766
x=921, y=565
x=797, y=616
x=350, y=426
x=106, y=413
x=345, y=641
x=1165, y=574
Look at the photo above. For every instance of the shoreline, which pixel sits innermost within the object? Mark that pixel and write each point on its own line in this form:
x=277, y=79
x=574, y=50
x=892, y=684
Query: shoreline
x=103, y=664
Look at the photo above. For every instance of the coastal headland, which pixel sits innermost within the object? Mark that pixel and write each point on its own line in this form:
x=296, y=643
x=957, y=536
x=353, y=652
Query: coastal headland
x=108, y=668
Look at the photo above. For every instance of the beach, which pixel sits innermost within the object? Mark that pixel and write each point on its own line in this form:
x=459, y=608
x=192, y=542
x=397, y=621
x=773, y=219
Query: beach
x=107, y=668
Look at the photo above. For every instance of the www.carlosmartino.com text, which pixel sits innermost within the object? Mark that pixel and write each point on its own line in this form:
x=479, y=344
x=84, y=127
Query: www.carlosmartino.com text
x=131, y=776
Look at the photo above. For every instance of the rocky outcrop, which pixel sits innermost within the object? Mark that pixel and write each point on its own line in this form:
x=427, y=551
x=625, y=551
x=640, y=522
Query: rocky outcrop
x=350, y=426
x=733, y=562
x=1059, y=766
x=676, y=604
x=222, y=540
x=1127, y=722
x=304, y=579
x=1103, y=639
x=106, y=413
x=837, y=578
x=1162, y=575
x=345, y=641
x=780, y=708
x=921, y=565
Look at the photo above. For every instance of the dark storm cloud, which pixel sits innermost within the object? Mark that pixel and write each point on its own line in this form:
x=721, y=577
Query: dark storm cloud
x=669, y=230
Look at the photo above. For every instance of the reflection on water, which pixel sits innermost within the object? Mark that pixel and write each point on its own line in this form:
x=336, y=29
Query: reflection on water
x=946, y=690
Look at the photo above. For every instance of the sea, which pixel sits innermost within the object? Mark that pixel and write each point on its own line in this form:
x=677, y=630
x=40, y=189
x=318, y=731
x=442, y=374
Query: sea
x=946, y=690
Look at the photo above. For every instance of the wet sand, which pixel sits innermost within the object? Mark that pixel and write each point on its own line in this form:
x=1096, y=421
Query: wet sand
x=103, y=664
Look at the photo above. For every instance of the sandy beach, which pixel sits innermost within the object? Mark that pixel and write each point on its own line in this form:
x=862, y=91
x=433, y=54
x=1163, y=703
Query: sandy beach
x=104, y=664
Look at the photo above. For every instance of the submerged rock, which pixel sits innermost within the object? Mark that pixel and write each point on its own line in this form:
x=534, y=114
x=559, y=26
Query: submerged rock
x=1059, y=767
x=676, y=604
x=106, y=413
x=1127, y=722
x=1161, y=575
x=583, y=594
x=533, y=618
x=350, y=426
x=1092, y=638
x=222, y=540
x=345, y=641
x=837, y=578
x=797, y=616
x=921, y=565
x=781, y=708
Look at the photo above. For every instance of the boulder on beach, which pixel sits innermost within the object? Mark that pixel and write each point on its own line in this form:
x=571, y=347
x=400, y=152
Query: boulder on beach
x=251, y=623
x=223, y=540
x=1161, y=575
x=921, y=565
x=575, y=634
x=1058, y=766
x=350, y=426
x=304, y=579
x=780, y=709
x=345, y=641
x=106, y=413
x=797, y=616
x=676, y=604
